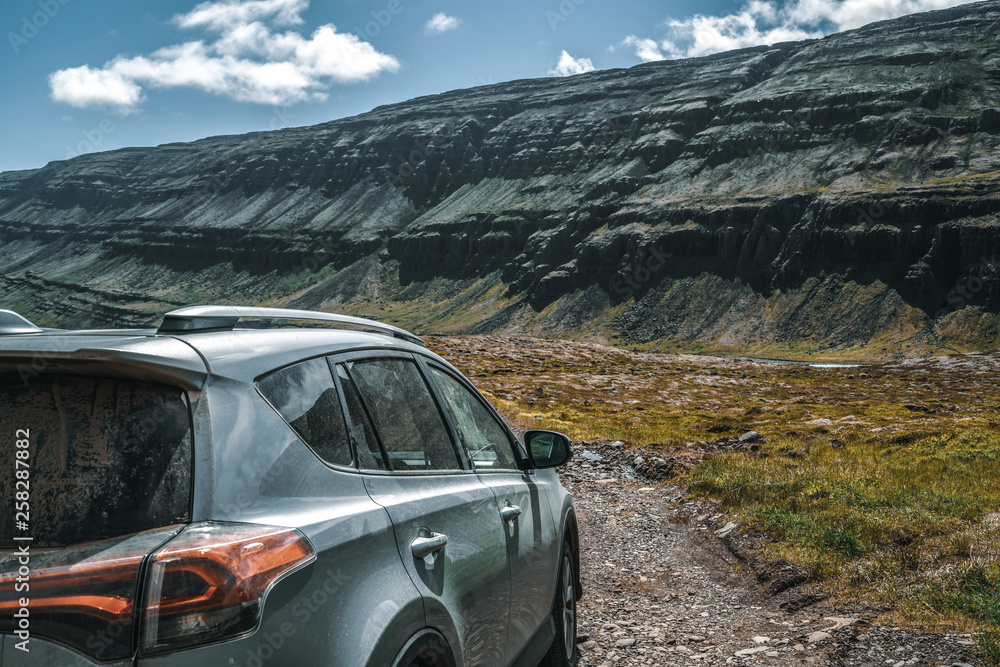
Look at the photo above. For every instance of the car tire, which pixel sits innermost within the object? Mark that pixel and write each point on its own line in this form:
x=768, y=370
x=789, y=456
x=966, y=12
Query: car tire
x=428, y=650
x=564, y=652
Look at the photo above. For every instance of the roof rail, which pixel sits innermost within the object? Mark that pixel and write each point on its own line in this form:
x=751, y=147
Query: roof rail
x=11, y=323
x=225, y=318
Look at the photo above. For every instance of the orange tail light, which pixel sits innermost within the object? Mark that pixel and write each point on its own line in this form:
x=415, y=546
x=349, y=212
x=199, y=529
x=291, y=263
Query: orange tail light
x=83, y=596
x=209, y=583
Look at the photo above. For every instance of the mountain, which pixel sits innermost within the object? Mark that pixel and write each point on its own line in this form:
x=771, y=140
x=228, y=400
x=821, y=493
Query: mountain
x=835, y=196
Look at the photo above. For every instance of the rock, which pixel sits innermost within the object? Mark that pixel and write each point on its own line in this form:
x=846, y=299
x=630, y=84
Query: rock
x=840, y=622
x=817, y=637
x=623, y=643
x=726, y=530
x=761, y=640
x=751, y=436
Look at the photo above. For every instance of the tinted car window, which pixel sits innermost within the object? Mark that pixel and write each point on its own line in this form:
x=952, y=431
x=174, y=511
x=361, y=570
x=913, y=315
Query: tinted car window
x=486, y=439
x=407, y=420
x=107, y=457
x=369, y=453
x=306, y=397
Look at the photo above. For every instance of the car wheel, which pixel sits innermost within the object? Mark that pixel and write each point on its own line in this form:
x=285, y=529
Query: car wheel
x=564, y=651
x=426, y=649
x=434, y=653
x=428, y=659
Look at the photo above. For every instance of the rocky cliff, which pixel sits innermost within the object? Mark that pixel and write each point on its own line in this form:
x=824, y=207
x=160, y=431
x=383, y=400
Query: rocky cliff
x=836, y=195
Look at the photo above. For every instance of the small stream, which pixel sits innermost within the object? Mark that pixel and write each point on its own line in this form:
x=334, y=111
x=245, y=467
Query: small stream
x=785, y=362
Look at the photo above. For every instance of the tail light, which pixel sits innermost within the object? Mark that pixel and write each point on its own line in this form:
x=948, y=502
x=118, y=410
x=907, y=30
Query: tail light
x=208, y=583
x=83, y=596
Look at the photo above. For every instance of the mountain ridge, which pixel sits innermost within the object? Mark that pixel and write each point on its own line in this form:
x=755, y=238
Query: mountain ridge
x=832, y=196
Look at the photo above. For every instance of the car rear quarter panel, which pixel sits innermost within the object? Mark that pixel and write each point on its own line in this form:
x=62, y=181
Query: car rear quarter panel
x=339, y=609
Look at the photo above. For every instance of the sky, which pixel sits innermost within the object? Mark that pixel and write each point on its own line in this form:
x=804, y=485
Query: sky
x=79, y=76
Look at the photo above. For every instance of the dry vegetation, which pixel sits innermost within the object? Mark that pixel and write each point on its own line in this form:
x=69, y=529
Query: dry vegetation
x=883, y=482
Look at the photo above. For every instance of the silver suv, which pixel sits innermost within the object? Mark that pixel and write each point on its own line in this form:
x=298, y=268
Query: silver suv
x=219, y=492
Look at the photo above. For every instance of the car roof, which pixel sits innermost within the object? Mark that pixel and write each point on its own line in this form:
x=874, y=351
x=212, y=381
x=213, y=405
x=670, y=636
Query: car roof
x=187, y=359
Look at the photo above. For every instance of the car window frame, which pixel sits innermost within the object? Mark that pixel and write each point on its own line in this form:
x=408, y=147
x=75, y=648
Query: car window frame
x=464, y=460
x=333, y=466
x=519, y=456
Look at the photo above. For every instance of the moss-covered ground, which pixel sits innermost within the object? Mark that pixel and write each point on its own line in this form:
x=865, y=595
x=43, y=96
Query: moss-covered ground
x=883, y=482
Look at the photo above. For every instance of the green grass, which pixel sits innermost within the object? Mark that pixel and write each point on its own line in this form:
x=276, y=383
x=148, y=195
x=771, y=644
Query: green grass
x=867, y=498
x=875, y=521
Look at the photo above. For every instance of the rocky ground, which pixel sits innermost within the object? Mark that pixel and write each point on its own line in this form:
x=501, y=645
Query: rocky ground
x=668, y=581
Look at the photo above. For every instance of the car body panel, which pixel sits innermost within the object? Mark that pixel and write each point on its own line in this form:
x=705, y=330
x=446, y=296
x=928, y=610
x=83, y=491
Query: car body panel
x=47, y=653
x=467, y=584
x=533, y=546
x=149, y=357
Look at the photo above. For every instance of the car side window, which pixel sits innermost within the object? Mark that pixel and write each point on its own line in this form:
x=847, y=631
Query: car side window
x=306, y=397
x=366, y=442
x=486, y=438
x=406, y=418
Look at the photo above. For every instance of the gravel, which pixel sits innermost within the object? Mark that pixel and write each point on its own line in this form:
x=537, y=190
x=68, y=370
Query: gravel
x=668, y=581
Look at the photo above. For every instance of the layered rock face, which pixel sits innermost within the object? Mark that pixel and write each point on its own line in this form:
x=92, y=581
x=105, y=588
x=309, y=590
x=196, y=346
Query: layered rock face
x=837, y=193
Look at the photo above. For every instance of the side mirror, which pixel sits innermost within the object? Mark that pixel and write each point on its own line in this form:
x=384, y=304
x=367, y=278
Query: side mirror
x=547, y=449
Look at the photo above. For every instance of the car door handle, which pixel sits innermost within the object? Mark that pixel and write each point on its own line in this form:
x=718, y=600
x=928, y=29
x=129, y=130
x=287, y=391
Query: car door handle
x=425, y=545
x=510, y=512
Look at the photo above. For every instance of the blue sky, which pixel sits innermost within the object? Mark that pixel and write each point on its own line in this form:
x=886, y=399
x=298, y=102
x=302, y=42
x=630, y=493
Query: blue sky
x=91, y=75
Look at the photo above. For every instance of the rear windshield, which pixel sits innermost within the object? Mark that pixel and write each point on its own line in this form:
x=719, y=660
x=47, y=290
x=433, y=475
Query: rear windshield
x=106, y=457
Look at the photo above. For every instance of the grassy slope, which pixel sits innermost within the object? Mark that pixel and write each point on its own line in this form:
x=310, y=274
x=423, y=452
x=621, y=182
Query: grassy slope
x=829, y=320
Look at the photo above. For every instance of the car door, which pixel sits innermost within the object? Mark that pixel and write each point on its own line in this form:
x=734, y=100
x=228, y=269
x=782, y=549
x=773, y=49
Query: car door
x=521, y=500
x=448, y=532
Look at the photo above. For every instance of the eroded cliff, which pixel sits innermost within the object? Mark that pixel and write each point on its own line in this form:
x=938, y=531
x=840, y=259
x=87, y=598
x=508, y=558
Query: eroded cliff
x=834, y=195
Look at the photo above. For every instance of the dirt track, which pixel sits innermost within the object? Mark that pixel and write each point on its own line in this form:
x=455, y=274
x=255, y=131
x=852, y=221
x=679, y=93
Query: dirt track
x=662, y=588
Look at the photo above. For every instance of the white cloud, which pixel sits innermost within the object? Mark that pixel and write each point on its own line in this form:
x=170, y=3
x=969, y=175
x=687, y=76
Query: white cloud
x=84, y=86
x=441, y=23
x=768, y=22
x=568, y=65
x=226, y=14
x=247, y=62
x=647, y=50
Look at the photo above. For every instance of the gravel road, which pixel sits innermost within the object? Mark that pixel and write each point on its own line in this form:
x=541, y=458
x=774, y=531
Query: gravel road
x=665, y=583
